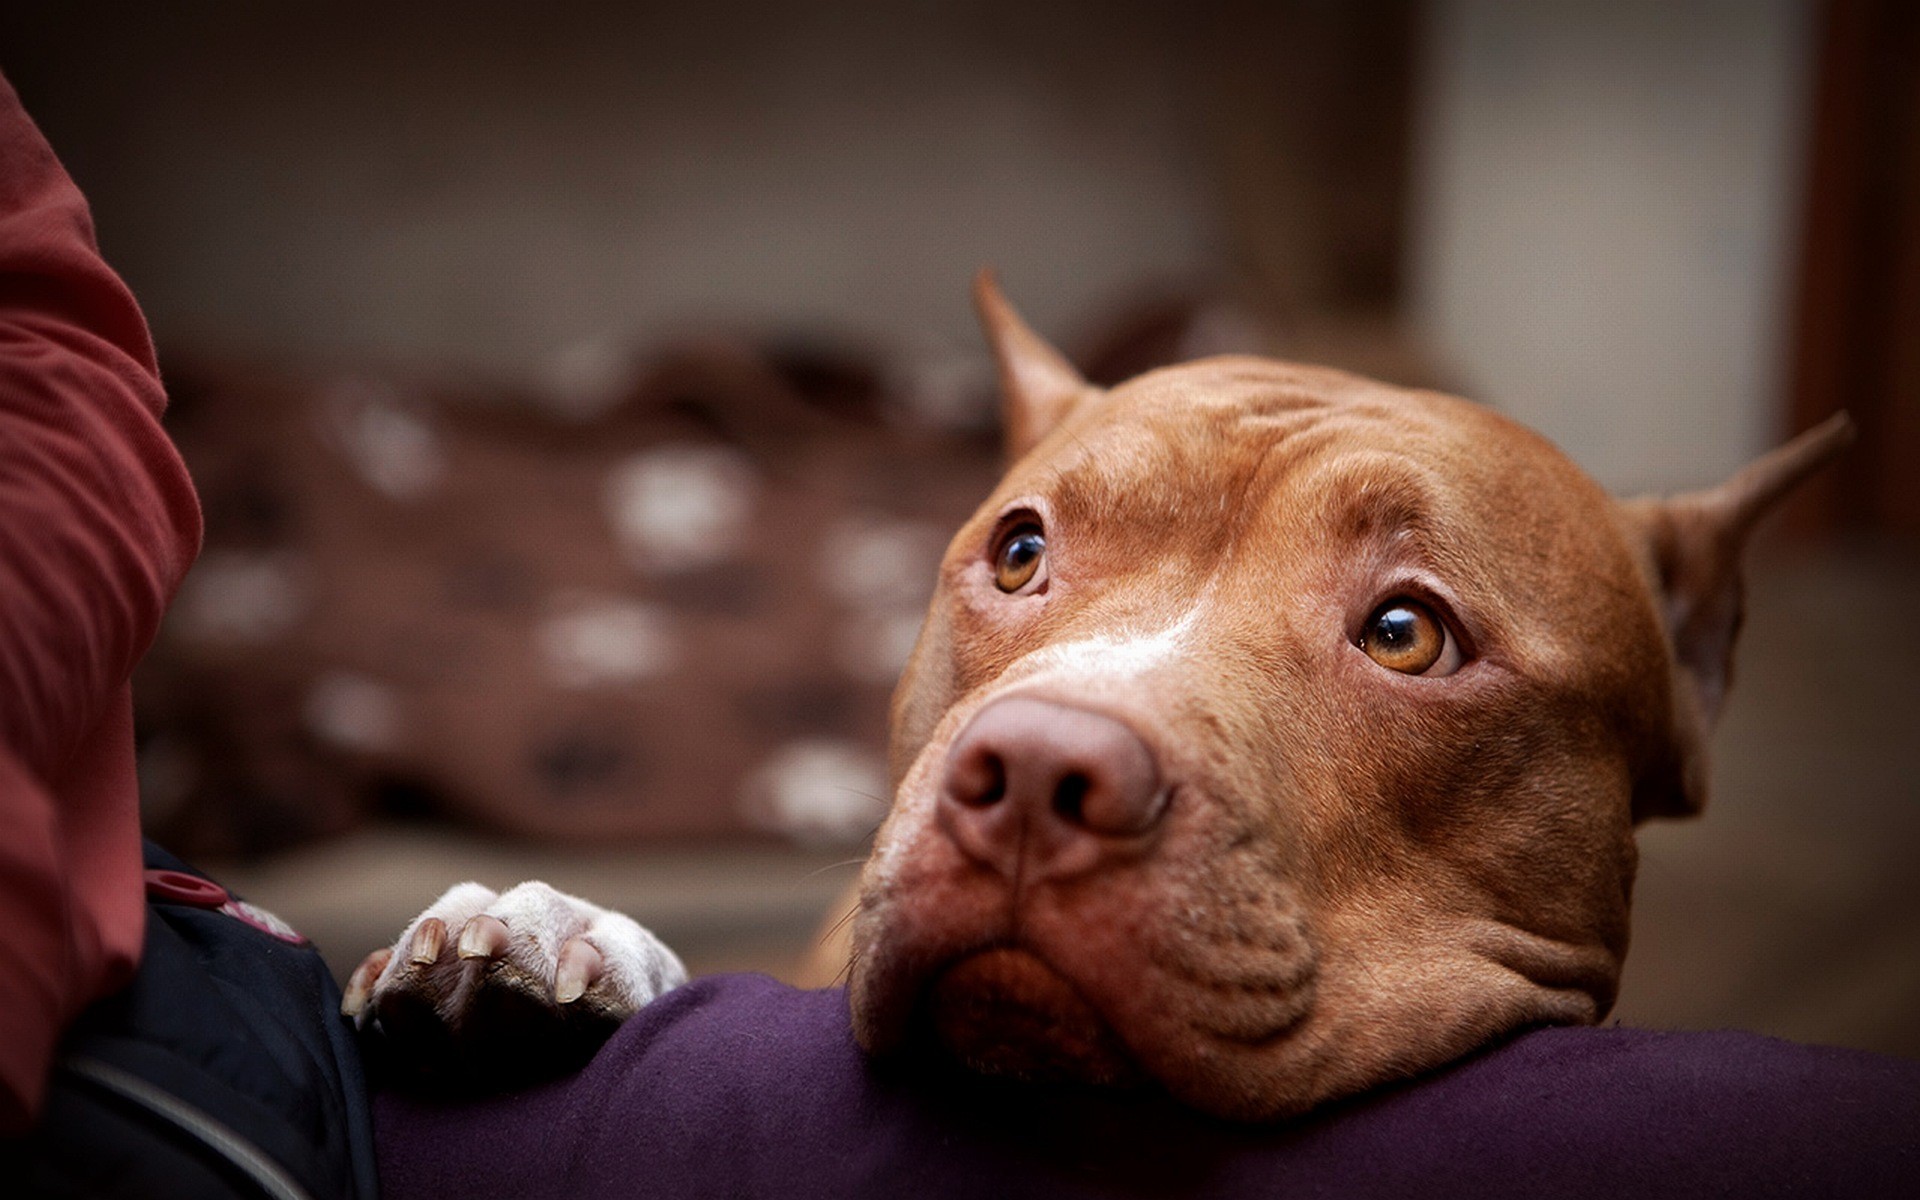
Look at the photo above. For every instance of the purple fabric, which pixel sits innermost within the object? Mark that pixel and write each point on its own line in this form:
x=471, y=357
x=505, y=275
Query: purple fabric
x=740, y=1086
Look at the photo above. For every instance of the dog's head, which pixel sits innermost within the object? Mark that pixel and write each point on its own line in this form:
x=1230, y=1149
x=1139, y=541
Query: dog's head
x=1274, y=733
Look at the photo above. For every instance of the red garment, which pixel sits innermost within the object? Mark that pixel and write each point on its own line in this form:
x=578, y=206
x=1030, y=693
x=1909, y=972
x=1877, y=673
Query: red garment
x=98, y=522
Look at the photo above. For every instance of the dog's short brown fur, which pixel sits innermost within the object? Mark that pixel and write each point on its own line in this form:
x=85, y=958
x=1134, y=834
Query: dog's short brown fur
x=1355, y=874
x=1173, y=802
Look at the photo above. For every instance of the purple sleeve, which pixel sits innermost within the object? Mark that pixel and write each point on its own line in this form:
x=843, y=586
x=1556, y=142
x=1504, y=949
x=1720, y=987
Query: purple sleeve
x=739, y=1086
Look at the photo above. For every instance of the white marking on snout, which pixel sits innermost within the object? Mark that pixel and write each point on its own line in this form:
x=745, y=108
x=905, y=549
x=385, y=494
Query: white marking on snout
x=1107, y=656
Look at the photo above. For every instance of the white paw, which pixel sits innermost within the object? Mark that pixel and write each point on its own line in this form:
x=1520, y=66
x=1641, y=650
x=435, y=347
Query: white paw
x=506, y=987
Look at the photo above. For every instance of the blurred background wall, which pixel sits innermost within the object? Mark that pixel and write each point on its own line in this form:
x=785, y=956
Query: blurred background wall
x=489, y=184
x=1666, y=234
x=1603, y=240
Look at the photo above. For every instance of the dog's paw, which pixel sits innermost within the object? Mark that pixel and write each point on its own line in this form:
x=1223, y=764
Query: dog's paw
x=499, y=989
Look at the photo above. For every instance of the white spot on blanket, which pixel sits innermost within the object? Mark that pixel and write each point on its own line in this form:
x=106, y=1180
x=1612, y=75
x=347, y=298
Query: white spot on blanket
x=883, y=569
x=352, y=712
x=875, y=562
x=875, y=649
x=234, y=596
x=943, y=388
x=393, y=449
x=680, y=507
x=588, y=379
x=817, y=792
x=597, y=641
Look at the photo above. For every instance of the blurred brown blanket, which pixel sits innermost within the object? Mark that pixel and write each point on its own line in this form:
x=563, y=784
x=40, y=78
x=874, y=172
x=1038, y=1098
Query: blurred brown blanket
x=676, y=610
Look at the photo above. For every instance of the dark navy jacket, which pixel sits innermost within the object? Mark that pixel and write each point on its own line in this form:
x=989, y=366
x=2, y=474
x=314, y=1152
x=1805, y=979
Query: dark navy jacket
x=224, y=1069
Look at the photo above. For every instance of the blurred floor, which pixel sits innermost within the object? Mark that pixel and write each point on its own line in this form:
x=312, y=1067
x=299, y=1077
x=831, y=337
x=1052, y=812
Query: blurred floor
x=1792, y=908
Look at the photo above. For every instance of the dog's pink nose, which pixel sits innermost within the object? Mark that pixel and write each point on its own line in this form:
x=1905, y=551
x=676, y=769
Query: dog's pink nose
x=1064, y=789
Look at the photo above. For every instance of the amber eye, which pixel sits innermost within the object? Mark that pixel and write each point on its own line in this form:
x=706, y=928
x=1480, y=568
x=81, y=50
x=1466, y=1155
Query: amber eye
x=1022, y=551
x=1403, y=635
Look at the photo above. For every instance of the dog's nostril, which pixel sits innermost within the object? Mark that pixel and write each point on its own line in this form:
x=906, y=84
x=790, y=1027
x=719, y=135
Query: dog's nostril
x=1070, y=798
x=989, y=785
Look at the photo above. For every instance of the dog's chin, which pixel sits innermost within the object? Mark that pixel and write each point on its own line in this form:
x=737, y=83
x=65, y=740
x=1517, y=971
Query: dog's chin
x=1005, y=1012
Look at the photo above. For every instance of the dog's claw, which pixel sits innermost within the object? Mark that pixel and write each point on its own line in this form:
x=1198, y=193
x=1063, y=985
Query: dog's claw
x=428, y=941
x=483, y=937
x=360, y=984
x=580, y=967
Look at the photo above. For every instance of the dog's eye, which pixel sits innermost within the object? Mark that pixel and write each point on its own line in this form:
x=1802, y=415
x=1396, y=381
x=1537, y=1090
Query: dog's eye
x=1404, y=635
x=1019, y=557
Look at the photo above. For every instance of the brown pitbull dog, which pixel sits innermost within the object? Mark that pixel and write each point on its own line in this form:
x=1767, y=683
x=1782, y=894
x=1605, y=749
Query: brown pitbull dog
x=1274, y=733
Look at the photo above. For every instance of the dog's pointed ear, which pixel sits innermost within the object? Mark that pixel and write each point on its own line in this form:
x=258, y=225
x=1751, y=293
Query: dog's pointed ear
x=1038, y=386
x=1698, y=540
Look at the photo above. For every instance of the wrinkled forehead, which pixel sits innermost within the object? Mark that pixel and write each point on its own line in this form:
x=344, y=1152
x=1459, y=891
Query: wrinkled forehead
x=1215, y=446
